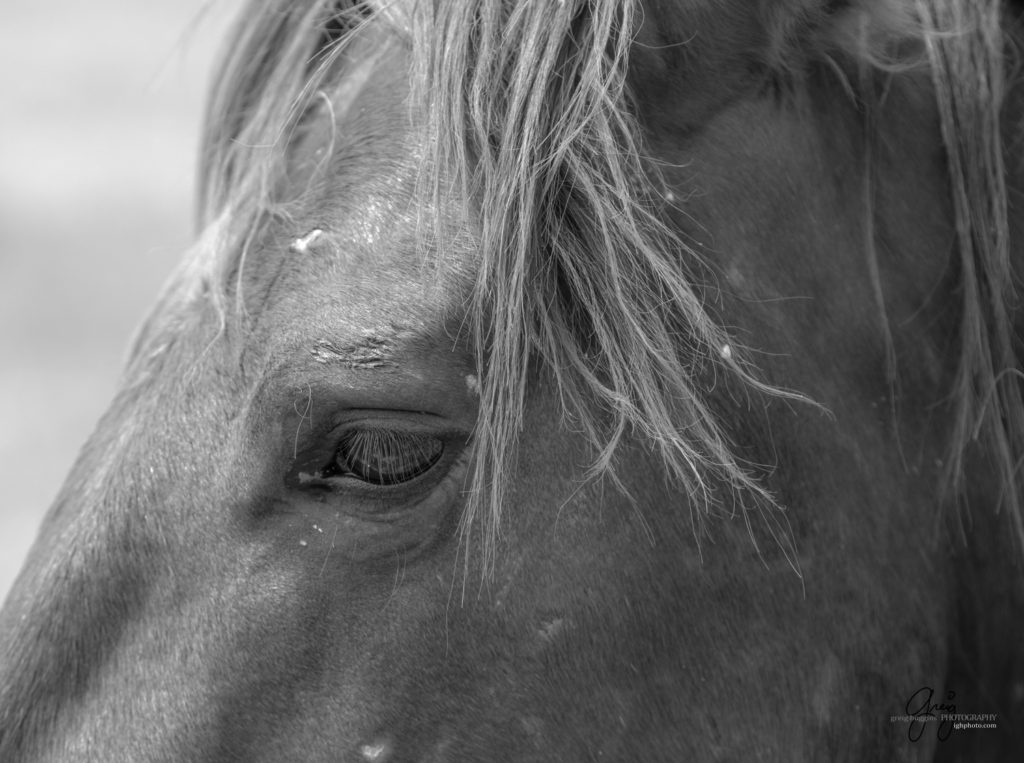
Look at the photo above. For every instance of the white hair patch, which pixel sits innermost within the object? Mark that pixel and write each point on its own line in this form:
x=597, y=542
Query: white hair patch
x=301, y=245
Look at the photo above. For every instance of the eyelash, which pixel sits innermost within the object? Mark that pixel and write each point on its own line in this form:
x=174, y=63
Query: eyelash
x=383, y=457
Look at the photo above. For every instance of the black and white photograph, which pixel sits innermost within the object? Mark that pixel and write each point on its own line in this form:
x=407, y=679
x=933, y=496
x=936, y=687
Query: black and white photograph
x=394, y=381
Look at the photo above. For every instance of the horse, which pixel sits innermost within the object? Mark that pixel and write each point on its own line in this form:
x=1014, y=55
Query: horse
x=563, y=380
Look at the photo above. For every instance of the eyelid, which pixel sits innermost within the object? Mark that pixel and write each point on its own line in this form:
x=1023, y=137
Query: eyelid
x=357, y=497
x=386, y=457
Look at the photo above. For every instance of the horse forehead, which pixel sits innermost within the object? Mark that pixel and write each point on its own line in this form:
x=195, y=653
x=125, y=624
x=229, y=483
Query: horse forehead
x=372, y=242
x=371, y=259
x=368, y=242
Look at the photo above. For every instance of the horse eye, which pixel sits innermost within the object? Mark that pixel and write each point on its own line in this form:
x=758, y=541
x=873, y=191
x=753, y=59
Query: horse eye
x=384, y=456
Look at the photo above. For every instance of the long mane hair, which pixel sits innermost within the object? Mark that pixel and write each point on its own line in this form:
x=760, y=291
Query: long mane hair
x=527, y=109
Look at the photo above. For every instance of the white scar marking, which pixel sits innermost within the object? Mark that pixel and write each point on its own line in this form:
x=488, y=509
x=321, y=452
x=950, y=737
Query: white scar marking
x=374, y=751
x=726, y=352
x=301, y=245
x=549, y=630
x=473, y=384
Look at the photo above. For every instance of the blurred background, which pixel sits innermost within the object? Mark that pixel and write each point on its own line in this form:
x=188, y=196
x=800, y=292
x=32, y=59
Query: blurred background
x=100, y=107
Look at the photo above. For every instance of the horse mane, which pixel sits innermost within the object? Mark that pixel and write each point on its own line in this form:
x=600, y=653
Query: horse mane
x=528, y=112
x=968, y=53
x=579, y=273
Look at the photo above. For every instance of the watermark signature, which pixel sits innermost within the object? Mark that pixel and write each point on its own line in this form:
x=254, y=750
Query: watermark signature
x=927, y=706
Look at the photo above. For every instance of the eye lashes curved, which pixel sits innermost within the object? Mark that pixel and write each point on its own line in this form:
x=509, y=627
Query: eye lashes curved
x=385, y=456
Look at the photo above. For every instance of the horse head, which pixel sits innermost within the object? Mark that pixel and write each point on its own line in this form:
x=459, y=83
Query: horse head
x=556, y=381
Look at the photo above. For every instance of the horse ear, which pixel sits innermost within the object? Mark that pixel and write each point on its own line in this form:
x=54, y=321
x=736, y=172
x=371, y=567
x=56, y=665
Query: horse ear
x=691, y=58
x=865, y=29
